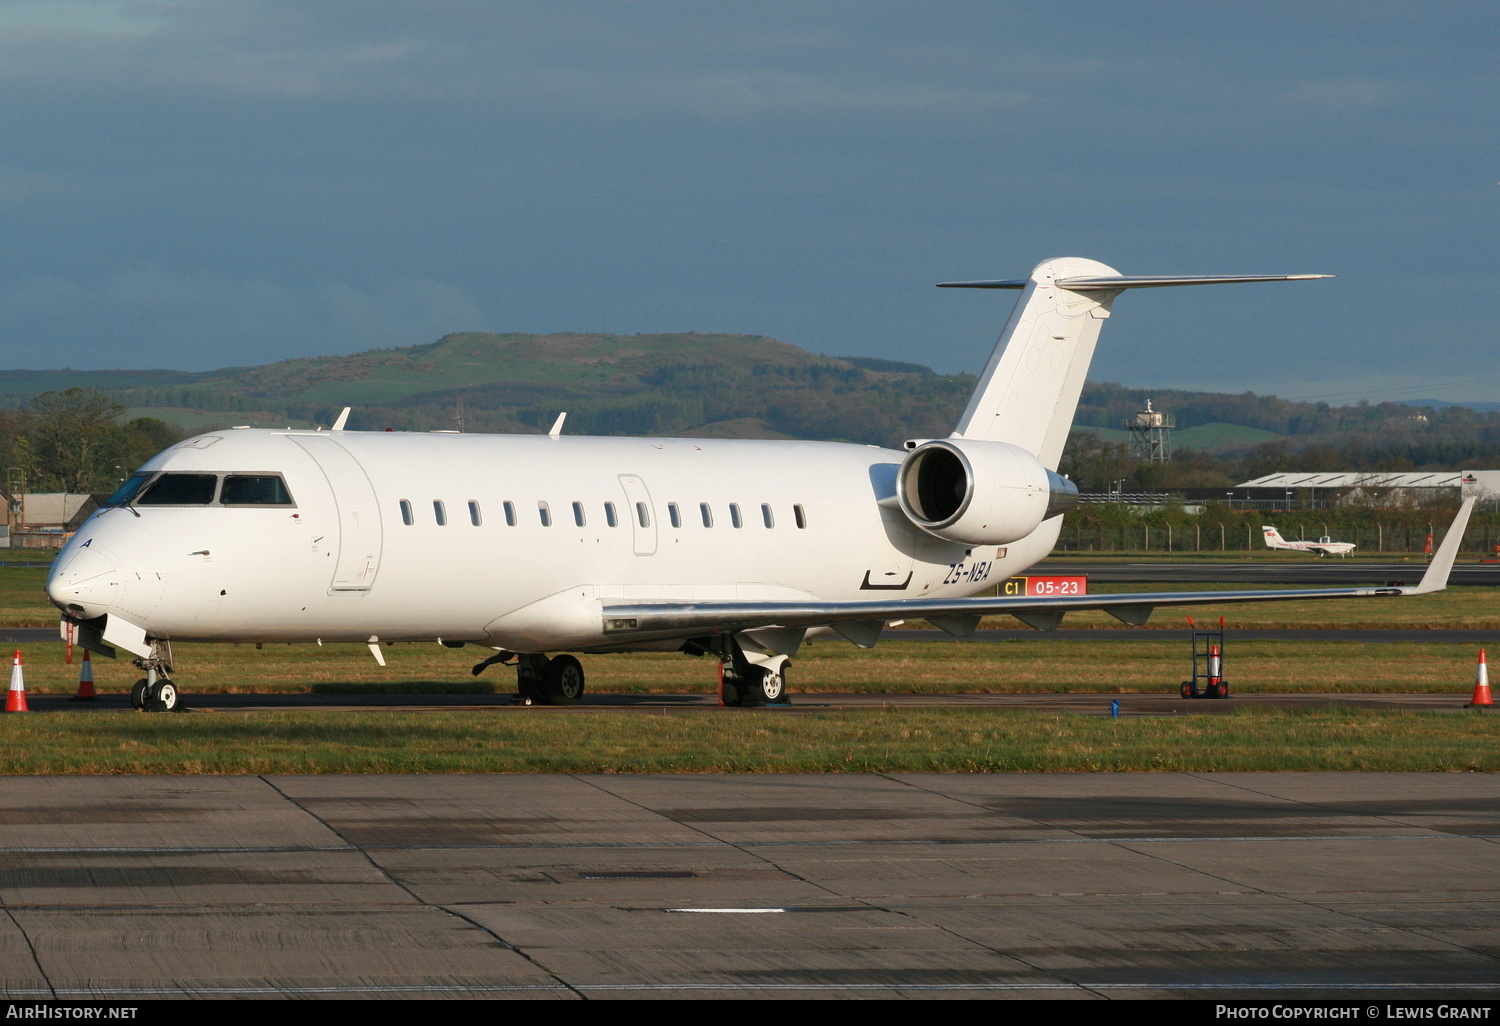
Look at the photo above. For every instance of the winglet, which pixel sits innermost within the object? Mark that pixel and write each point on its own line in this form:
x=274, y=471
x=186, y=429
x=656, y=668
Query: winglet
x=338, y=425
x=557, y=424
x=1436, y=577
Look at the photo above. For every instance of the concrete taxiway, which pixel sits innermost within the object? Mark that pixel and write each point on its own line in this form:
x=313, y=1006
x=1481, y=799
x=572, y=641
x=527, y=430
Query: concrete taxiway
x=1253, y=886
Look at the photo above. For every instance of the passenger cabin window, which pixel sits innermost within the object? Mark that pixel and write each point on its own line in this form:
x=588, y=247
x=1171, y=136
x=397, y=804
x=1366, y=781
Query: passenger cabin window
x=474, y=517
x=642, y=515
x=254, y=490
x=406, y=517
x=609, y=515
x=801, y=516
x=734, y=515
x=510, y=513
x=706, y=513
x=545, y=512
x=674, y=514
x=765, y=514
x=440, y=512
x=180, y=490
x=578, y=514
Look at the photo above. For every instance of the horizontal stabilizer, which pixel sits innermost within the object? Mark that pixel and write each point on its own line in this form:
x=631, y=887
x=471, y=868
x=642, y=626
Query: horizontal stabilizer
x=1132, y=281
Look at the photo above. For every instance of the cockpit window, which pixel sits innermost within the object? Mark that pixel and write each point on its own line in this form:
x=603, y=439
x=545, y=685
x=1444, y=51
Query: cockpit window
x=127, y=491
x=255, y=490
x=179, y=490
x=148, y=489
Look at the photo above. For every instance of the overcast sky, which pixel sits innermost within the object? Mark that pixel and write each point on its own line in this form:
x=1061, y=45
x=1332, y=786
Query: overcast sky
x=200, y=183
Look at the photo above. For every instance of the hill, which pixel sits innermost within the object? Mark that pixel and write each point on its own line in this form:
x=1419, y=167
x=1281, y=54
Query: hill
x=711, y=384
x=723, y=385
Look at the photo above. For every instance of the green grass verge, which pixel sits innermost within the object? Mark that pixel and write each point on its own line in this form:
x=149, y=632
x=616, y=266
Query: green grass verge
x=712, y=741
x=895, y=667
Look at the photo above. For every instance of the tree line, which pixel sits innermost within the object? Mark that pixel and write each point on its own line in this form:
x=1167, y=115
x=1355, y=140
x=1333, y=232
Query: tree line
x=73, y=441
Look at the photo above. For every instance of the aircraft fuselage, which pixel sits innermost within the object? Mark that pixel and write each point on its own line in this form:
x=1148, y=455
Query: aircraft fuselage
x=403, y=536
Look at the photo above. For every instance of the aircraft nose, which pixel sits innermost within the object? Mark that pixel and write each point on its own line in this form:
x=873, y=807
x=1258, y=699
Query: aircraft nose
x=84, y=584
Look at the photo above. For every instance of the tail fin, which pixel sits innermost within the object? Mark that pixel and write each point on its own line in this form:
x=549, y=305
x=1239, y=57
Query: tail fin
x=1029, y=390
x=1273, y=537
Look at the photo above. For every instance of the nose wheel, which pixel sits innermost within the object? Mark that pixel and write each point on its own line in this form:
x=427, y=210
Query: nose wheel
x=155, y=692
x=159, y=695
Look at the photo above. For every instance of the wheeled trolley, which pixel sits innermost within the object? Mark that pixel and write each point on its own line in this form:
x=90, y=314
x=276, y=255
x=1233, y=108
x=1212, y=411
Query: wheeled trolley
x=1208, y=664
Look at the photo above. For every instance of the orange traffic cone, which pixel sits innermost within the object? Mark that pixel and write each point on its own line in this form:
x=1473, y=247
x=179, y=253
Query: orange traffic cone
x=85, y=681
x=1481, y=699
x=15, y=698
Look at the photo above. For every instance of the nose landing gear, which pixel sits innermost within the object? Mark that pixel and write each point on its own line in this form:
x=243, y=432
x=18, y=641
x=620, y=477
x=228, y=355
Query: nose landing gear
x=155, y=692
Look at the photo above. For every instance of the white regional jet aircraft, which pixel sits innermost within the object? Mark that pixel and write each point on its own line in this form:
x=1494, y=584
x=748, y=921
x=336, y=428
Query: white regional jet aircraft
x=1324, y=546
x=539, y=544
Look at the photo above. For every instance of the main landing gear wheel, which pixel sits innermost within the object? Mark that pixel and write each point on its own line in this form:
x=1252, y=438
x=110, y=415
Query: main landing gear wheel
x=562, y=681
x=770, y=689
x=138, y=694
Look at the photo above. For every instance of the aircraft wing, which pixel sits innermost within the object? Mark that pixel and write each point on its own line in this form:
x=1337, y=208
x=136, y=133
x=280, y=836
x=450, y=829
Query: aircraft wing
x=863, y=619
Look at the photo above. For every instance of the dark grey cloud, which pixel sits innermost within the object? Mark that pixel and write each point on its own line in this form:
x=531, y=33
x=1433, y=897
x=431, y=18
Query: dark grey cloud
x=191, y=184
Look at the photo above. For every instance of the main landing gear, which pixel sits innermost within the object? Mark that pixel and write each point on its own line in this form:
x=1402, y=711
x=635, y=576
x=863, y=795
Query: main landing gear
x=764, y=686
x=560, y=679
x=155, y=692
x=744, y=683
x=540, y=680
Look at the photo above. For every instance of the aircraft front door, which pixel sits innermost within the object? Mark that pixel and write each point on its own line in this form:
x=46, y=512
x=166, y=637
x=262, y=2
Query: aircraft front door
x=359, y=540
x=642, y=516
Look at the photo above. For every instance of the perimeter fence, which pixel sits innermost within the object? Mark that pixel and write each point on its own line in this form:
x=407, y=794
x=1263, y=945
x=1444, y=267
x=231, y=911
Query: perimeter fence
x=1097, y=528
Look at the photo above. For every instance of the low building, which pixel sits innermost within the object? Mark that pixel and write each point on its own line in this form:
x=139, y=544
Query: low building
x=46, y=520
x=1330, y=489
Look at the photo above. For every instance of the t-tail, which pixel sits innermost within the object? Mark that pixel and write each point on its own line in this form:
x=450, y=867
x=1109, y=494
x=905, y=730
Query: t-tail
x=1274, y=539
x=1029, y=390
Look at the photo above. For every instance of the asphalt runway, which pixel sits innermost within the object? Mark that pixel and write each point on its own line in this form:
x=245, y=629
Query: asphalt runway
x=1277, y=886
x=1314, y=572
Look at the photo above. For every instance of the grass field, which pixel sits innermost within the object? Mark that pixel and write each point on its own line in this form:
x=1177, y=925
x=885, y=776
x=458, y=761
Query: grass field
x=712, y=740
x=894, y=667
x=765, y=741
x=1035, y=664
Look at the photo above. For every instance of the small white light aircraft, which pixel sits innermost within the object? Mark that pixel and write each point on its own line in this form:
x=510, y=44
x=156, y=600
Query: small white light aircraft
x=1324, y=546
x=531, y=545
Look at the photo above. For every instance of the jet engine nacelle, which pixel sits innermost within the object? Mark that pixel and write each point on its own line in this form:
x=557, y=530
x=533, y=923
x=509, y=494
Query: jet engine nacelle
x=978, y=492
